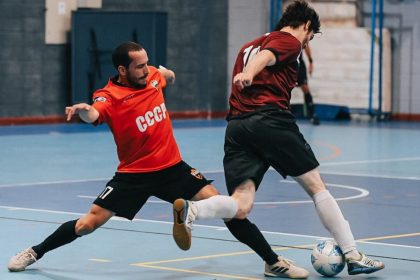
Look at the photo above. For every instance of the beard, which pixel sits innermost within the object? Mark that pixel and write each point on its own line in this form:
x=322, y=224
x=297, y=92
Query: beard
x=134, y=82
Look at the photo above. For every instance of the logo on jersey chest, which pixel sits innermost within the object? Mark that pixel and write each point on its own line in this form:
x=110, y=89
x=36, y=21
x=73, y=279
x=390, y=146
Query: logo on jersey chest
x=154, y=84
x=151, y=117
x=99, y=99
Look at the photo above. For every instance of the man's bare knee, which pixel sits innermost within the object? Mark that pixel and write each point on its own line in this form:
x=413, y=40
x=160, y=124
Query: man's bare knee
x=243, y=212
x=84, y=227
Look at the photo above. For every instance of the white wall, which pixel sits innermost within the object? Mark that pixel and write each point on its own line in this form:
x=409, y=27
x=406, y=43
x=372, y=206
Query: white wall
x=247, y=20
x=403, y=20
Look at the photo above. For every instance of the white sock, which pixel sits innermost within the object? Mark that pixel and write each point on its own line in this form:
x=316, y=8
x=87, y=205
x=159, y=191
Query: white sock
x=333, y=220
x=218, y=206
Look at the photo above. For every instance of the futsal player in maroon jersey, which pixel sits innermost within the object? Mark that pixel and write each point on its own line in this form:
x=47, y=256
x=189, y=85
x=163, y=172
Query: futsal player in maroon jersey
x=262, y=133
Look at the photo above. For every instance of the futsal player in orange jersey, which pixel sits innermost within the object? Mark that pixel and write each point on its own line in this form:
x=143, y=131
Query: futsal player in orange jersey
x=133, y=106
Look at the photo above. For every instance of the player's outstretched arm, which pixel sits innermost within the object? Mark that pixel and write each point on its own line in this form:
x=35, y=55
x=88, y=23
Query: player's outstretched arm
x=86, y=112
x=168, y=74
x=263, y=59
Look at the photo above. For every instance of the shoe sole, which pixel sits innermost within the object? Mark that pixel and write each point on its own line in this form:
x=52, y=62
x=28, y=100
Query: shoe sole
x=284, y=276
x=16, y=269
x=365, y=272
x=180, y=233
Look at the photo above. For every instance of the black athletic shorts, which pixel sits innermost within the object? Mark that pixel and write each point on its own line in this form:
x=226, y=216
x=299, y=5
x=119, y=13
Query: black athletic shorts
x=302, y=74
x=126, y=193
x=264, y=139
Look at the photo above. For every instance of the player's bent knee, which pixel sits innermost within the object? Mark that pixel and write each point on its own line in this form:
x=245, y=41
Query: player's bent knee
x=84, y=228
x=206, y=192
x=242, y=212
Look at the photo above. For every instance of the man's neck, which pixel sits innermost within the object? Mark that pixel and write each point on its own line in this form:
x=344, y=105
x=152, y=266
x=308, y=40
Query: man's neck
x=298, y=33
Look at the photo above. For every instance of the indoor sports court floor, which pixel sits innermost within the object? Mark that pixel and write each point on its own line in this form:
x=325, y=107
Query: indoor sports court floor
x=51, y=173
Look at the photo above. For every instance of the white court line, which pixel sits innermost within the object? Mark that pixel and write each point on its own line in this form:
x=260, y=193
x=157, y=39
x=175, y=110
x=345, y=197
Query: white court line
x=373, y=176
x=341, y=173
x=222, y=171
x=363, y=193
x=53, y=182
x=371, y=161
x=11, y=208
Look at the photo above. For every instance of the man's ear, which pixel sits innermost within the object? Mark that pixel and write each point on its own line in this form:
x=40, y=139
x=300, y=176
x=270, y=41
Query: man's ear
x=307, y=25
x=122, y=71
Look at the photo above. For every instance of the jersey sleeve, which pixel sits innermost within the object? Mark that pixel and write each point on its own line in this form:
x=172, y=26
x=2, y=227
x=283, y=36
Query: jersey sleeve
x=102, y=102
x=286, y=49
x=162, y=80
x=155, y=74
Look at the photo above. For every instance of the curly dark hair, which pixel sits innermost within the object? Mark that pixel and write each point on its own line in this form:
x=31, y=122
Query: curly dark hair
x=298, y=13
x=120, y=54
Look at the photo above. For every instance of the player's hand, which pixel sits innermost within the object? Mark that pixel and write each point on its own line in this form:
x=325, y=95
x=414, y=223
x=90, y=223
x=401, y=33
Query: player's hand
x=242, y=80
x=75, y=109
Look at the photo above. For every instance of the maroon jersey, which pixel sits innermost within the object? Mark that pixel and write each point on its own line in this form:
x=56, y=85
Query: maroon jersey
x=273, y=85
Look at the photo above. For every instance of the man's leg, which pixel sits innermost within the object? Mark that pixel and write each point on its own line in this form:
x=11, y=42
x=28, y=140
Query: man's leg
x=249, y=234
x=333, y=220
x=223, y=207
x=309, y=104
x=206, y=204
x=66, y=233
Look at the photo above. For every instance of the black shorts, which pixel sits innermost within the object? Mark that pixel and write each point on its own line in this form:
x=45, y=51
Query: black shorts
x=302, y=74
x=264, y=139
x=126, y=193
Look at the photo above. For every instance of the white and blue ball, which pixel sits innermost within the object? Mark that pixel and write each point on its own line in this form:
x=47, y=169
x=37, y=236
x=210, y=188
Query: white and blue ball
x=327, y=258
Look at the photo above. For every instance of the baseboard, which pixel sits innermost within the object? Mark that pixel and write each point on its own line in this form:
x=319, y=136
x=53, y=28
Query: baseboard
x=62, y=119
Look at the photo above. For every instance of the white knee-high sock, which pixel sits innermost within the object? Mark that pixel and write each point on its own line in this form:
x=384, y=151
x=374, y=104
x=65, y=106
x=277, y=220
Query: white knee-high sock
x=333, y=220
x=218, y=206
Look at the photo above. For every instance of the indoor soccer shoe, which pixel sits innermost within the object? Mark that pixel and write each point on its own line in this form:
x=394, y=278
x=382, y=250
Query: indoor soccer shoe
x=285, y=268
x=364, y=265
x=21, y=260
x=184, y=217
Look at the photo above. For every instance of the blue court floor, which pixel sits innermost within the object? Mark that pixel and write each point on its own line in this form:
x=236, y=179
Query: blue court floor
x=50, y=174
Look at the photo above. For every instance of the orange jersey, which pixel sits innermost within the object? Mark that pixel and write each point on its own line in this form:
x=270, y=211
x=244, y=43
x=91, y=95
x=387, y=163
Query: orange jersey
x=139, y=123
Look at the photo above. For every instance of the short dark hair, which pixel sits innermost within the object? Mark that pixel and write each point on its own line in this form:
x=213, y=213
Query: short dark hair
x=298, y=13
x=120, y=54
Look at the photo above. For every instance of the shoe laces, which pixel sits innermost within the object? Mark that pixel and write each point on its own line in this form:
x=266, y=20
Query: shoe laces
x=288, y=262
x=189, y=223
x=370, y=262
x=190, y=216
x=25, y=254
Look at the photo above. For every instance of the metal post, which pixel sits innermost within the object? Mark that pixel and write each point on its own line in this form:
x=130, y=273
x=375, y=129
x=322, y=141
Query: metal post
x=372, y=54
x=275, y=13
x=381, y=23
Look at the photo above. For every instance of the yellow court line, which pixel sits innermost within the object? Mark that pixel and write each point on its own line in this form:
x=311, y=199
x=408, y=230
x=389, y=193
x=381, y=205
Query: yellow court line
x=215, y=256
x=199, y=272
x=274, y=248
x=390, y=236
x=99, y=260
x=155, y=266
x=195, y=258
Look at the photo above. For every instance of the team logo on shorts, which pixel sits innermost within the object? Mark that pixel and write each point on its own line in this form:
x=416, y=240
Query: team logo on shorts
x=196, y=174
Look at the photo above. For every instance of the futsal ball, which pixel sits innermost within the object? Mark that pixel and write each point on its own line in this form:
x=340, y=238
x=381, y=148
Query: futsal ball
x=327, y=258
